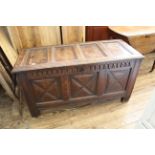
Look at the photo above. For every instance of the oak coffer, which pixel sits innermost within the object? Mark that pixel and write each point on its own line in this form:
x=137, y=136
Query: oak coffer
x=67, y=75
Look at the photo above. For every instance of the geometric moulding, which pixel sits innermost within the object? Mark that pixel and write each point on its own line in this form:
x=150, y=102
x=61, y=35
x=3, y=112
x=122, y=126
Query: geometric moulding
x=46, y=89
x=82, y=85
x=117, y=80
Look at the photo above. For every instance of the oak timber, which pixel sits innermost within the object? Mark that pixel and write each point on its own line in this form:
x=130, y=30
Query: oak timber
x=107, y=115
x=74, y=54
x=141, y=38
x=9, y=51
x=6, y=83
x=67, y=75
x=94, y=33
x=32, y=36
x=73, y=34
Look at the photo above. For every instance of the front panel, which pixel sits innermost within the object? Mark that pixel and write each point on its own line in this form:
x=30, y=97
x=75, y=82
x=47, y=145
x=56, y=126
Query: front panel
x=117, y=80
x=59, y=86
x=83, y=85
x=48, y=89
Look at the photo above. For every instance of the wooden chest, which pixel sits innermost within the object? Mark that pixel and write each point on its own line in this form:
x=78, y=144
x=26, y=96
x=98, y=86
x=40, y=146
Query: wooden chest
x=55, y=76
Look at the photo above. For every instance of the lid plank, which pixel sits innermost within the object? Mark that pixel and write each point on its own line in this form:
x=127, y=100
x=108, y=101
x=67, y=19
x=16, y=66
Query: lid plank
x=74, y=54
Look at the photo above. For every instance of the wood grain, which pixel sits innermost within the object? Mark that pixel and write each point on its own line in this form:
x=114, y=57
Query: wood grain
x=32, y=36
x=133, y=30
x=94, y=33
x=54, y=76
x=5, y=75
x=9, y=51
x=14, y=37
x=74, y=54
x=73, y=34
x=107, y=115
x=141, y=38
x=6, y=82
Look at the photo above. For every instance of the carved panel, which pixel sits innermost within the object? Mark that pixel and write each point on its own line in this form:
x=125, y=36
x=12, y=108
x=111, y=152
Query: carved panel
x=117, y=80
x=38, y=57
x=82, y=85
x=46, y=89
x=80, y=69
x=67, y=75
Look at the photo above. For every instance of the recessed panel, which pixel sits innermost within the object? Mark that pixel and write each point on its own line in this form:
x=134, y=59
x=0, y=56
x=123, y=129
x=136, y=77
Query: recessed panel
x=116, y=49
x=91, y=51
x=83, y=85
x=117, y=80
x=65, y=53
x=46, y=89
x=38, y=56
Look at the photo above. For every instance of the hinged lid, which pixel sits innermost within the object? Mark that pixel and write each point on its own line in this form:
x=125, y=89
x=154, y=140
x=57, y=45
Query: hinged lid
x=74, y=54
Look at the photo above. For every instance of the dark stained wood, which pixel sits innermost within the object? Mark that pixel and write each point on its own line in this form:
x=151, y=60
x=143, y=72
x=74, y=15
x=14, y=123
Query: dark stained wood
x=26, y=87
x=54, y=76
x=94, y=33
x=131, y=80
x=153, y=66
x=102, y=77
